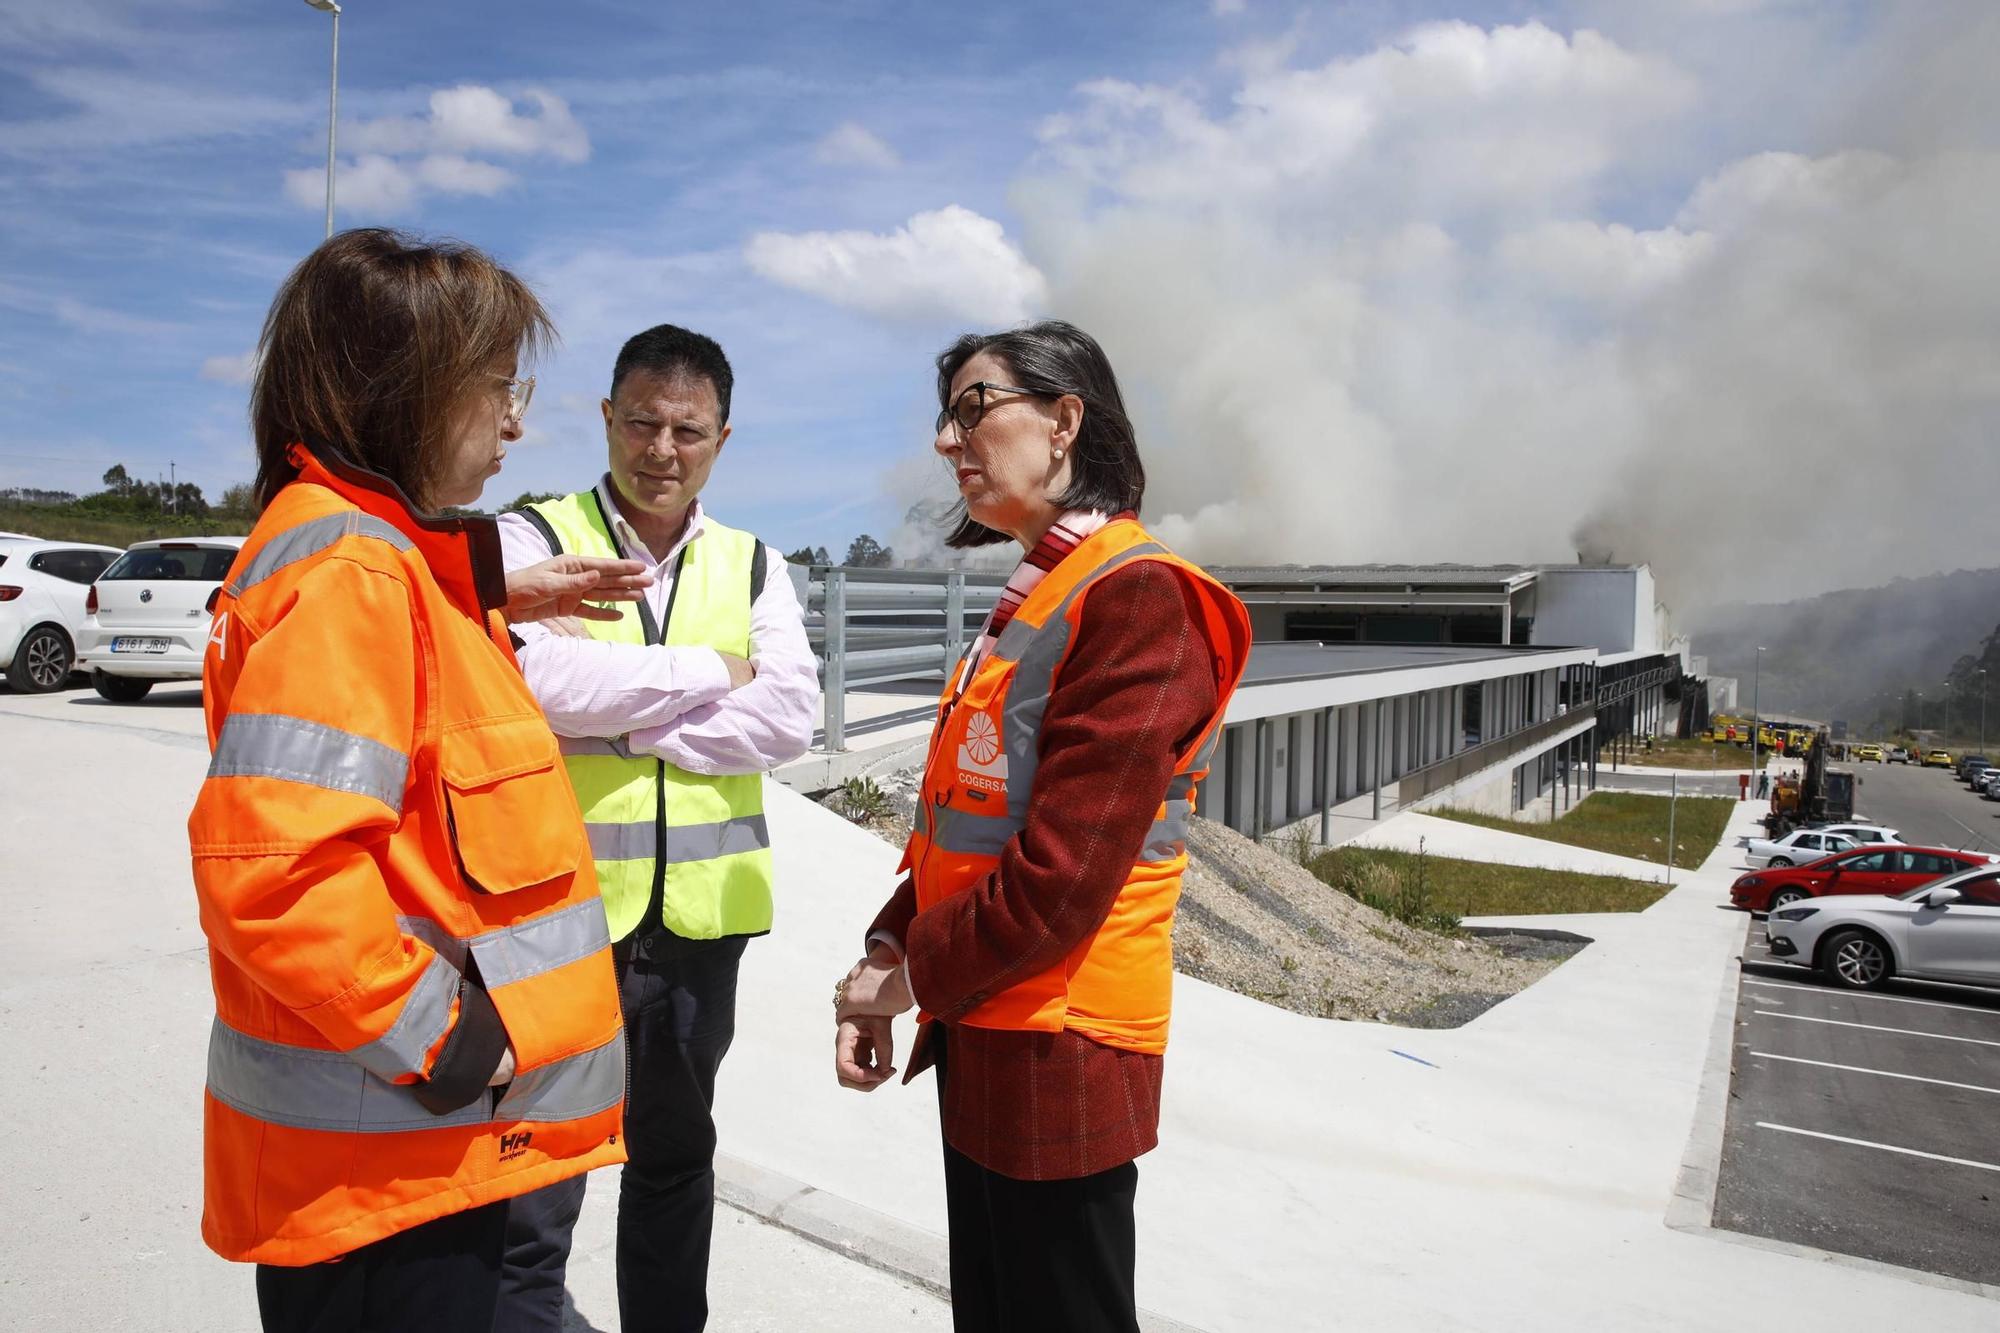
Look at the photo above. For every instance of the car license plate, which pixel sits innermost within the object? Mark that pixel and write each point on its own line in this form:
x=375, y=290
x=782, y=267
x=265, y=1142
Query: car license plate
x=140, y=645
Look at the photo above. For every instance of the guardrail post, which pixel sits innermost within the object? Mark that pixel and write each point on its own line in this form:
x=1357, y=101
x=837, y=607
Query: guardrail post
x=954, y=619
x=836, y=660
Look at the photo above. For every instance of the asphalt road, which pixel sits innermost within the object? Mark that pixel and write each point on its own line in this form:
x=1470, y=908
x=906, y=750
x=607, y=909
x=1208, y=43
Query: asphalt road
x=1862, y=1123
x=1929, y=805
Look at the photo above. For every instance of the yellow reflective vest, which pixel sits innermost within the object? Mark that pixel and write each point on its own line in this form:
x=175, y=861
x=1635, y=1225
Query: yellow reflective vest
x=696, y=844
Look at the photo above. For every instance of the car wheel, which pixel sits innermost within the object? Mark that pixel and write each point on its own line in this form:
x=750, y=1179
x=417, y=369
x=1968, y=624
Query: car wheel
x=120, y=689
x=1786, y=897
x=42, y=663
x=1856, y=960
x=1778, y=863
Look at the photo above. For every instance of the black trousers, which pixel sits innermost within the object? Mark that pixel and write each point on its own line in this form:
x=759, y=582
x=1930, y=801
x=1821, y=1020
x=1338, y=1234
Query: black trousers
x=441, y=1277
x=1039, y=1256
x=679, y=997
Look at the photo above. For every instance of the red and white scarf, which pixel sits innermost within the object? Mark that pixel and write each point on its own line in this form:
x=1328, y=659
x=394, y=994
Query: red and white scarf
x=1064, y=535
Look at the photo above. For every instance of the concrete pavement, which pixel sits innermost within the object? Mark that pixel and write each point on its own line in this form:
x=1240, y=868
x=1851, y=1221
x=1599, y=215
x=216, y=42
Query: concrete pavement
x=1512, y=1174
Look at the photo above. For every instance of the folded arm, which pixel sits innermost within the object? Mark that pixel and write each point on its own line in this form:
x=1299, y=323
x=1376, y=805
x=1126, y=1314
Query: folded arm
x=764, y=724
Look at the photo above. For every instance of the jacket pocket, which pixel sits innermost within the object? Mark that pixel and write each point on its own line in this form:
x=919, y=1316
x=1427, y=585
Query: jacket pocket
x=513, y=817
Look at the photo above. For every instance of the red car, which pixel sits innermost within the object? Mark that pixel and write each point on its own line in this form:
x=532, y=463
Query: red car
x=1883, y=868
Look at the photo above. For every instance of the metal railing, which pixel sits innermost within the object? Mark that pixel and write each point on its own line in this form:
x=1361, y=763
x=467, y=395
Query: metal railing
x=1414, y=786
x=875, y=626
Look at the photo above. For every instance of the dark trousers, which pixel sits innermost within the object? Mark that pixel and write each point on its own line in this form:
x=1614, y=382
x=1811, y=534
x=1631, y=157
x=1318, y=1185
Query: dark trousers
x=679, y=997
x=440, y=1277
x=1039, y=1256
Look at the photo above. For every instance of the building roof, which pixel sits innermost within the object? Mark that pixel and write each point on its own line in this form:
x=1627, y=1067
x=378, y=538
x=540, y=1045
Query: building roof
x=1271, y=663
x=1493, y=576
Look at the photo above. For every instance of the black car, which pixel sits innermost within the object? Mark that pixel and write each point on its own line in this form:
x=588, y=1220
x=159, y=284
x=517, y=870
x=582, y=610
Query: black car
x=1971, y=766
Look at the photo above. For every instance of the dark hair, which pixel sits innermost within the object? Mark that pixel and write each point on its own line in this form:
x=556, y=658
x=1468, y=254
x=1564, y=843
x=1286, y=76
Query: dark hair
x=372, y=344
x=1057, y=358
x=371, y=347
x=669, y=349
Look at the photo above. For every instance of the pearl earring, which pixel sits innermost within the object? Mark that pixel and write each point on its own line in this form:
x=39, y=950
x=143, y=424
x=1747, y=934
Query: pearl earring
x=1059, y=454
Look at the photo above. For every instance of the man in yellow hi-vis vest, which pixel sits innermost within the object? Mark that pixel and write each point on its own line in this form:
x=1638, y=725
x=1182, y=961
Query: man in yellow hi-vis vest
x=668, y=719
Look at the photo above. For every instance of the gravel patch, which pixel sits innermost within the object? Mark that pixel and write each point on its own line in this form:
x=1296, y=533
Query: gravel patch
x=1256, y=922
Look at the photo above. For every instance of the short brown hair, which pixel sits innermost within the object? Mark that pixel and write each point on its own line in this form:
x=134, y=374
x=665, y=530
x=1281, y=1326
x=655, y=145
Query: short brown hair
x=372, y=343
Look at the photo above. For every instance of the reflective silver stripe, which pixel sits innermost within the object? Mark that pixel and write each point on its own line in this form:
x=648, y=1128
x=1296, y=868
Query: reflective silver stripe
x=308, y=1089
x=967, y=831
x=1038, y=650
x=705, y=842
x=273, y=745
x=685, y=842
x=541, y=945
x=623, y=842
x=614, y=746
x=431, y=933
x=570, y=1089
x=309, y=539
x=420, y=1025
x=1168, y=837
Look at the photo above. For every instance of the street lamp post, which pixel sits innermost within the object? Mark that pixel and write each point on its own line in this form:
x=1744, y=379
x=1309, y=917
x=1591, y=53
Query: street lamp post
x=1756, y=718
x=1982, y=710
x=332, y=101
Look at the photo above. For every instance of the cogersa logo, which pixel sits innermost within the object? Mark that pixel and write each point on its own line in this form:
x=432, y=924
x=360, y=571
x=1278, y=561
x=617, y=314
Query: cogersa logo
x=980, y=761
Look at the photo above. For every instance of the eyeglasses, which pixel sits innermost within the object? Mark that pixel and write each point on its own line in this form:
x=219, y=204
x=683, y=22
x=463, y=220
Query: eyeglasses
x=970, y=407
x=519, y=392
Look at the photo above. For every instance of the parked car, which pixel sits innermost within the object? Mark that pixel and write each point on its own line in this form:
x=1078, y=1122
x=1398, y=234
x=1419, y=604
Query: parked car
x=1971, y=765
x=1862, y=834
x=43, y=588
x=1867, y=754
x=1987, y=784
x=1937, y=759
x=1795, y=848
x=1898, y=755
x=1947, y=930
x=149, y=614
x=1879, y=870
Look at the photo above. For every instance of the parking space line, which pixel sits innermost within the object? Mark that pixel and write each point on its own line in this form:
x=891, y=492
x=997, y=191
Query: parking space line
x=1880, y=1073
x=1870, y=1027
x=1880, y=1147
x=1871, y=995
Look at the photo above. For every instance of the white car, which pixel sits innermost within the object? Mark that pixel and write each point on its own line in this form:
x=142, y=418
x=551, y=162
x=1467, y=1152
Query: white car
x=1866, y=834
x=1796, y=848
x=43, y=588
x=149, y=614
x=1947, y=930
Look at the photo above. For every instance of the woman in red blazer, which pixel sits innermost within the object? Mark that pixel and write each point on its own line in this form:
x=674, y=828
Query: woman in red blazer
x=1034, y=928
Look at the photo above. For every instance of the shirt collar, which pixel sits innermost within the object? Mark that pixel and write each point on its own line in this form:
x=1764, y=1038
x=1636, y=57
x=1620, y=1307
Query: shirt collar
x=630, y=543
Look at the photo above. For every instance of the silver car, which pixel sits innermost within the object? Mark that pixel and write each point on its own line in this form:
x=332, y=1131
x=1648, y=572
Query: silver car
x=1947, y=930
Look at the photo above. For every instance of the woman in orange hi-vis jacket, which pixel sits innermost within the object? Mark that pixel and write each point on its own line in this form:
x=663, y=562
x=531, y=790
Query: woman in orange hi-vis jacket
x=416, y=1018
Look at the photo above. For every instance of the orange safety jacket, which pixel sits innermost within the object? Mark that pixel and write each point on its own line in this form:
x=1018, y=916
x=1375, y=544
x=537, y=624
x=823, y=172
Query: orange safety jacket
x=1115, y=987
x=395, y=883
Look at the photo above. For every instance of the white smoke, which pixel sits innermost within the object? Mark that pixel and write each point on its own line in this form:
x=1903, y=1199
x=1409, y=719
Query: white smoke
x=1448, y=301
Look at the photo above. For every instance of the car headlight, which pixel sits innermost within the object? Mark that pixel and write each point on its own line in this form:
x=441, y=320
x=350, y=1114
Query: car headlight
x=1750, y=882
x=1795, y=913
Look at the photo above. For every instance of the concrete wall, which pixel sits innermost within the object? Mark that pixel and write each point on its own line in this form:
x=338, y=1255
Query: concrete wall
x=1606, y=608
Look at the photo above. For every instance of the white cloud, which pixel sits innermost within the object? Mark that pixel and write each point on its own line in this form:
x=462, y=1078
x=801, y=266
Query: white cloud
x=238, y=369
x=850, y=145
x=1224, y=8
x=950, y=264
x=86, y=318
x=401, y=159
x=475, y=119
x=1440, y=301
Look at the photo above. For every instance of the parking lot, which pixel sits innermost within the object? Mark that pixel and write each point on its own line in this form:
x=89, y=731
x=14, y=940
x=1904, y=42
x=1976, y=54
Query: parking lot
x=1862, y=1122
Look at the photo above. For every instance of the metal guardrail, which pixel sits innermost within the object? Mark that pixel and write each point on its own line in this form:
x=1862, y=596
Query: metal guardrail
x=1416, y=785
x=874, y=626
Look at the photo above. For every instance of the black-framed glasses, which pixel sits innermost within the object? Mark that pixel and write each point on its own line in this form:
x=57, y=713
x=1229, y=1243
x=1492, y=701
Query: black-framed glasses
x=969, y=408
x=519, y=394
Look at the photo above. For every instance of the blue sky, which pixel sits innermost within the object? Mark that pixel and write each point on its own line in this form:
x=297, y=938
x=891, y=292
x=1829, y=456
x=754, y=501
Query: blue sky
x=1432, y=229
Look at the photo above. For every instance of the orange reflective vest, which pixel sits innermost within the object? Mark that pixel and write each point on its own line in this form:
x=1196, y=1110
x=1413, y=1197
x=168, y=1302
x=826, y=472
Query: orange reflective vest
x=391, y=870
x=1116, y=987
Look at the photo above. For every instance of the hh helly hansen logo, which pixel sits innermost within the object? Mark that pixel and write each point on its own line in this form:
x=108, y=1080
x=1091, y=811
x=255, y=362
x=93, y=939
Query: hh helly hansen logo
x=513, y=1145
x=981, y=763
